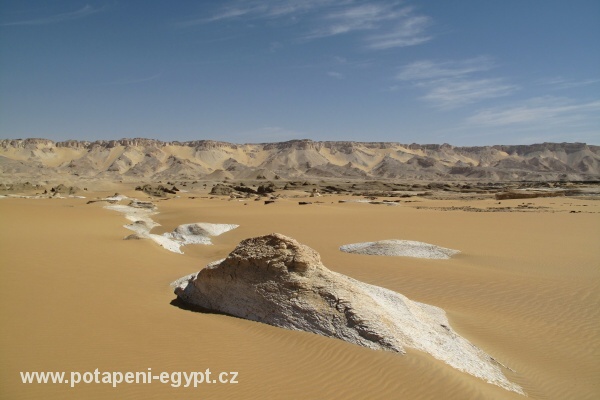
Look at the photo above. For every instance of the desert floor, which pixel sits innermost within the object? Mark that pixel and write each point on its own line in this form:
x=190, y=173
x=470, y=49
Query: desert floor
x=76, y=297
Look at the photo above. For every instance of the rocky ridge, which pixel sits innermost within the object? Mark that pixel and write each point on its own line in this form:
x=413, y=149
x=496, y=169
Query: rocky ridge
x=147, y=159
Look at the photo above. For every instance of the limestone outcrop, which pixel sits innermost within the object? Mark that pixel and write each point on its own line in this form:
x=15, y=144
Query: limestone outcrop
x=400, y=248
x=140, y=213
x=276, y=280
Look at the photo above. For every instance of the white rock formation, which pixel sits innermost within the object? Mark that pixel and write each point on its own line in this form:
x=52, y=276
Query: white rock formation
x=139, y=214
x=199, y=233
x=404, y=248
x=276, y=280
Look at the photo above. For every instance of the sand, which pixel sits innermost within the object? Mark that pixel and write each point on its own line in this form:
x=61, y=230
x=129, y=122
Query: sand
x=75, y=296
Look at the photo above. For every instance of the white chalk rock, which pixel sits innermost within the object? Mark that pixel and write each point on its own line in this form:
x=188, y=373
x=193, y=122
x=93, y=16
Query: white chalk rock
x=198, y=233
x=276, y=280
x=403, y=248
x=139, y=213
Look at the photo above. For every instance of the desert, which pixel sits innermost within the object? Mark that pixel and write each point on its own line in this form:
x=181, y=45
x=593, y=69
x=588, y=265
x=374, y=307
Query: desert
x=298, y=200
x=516, y=277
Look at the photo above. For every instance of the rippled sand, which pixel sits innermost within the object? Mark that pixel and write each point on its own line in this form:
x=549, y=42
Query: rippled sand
x=75, y=297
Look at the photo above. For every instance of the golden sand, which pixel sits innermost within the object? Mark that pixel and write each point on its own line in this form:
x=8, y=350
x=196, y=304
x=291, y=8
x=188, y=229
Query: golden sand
x=76, y=297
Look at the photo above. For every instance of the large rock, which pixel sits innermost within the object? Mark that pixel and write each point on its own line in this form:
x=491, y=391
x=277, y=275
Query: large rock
x=276, y=280
x=63, y=189
x=158, y=191
x=221, y=190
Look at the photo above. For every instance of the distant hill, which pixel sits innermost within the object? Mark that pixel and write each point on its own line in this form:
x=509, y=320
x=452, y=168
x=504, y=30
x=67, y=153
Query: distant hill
x=153, y=160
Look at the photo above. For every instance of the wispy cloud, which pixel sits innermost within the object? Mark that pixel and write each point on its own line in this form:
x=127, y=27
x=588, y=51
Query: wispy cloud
x=336, y=75
x=56, y=18
x=281, y=8
x=559, y=83
x=363, y=17
x=452, y=84
x=409, y=31
x=538, y=111
x=426, y=69
x=388, y=23
x=260, y=9
x=227, y=13
x=353, y=63
x=447, y=93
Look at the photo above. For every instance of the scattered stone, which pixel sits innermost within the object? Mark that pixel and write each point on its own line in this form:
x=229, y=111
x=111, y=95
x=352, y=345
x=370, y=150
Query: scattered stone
x=142, y=204
x=244, y=189
x=102, y=200
x=19, y=187
x=158, y=191
x=133, y=236
x=264, y=189
x=63, y=189
x=517, y=195
x=384, y=203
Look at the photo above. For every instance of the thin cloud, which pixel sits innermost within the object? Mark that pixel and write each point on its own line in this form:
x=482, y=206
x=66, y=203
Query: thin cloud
x=290, y=7
x=388, y=25
x=448, y=94
x=57, y=18
x=452, y=84
x=222, y=15
x=559, y=83
x=426, y=69
x=364, y=17
x=336, y=75
x=354, y=64
x=262, y=9
x=408, y=32
x=539, y=111
x=229, y=13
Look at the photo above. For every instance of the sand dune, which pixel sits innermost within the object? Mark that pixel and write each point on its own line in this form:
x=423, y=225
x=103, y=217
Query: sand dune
x=76, y=297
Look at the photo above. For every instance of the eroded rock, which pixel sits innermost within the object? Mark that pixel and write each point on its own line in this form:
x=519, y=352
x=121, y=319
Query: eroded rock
x=276, y=280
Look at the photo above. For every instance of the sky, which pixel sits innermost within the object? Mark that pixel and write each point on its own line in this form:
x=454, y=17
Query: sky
x=466, y=72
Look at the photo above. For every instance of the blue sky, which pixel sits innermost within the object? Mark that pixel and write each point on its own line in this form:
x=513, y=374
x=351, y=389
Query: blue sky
x=466, y=72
